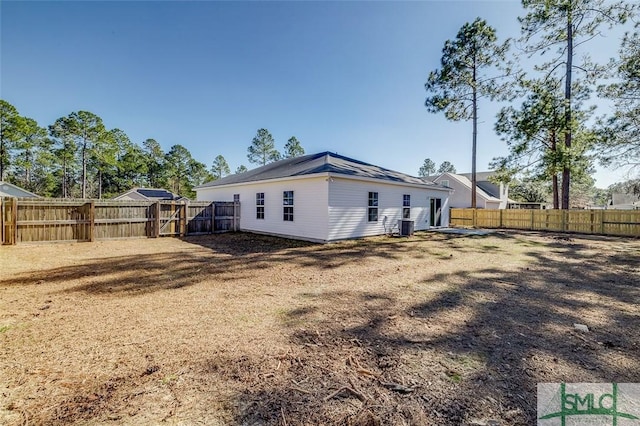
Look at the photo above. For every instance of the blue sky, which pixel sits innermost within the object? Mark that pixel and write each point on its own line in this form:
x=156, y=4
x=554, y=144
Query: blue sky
x=346, y=77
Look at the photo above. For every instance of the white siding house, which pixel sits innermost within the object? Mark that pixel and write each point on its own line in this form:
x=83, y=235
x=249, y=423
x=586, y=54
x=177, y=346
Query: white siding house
x=461, y=197
x=326, y=197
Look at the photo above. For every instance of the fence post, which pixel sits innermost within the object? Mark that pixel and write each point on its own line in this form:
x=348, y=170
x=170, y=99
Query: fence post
x=236, y=216
x=1, y=221
x=92, y=220
x=182, y=221
x=531, y=225
x=475, y=218
x=14, y=221
x=212, y=206
x=156, y=227
x=564, y=220
x=602, y=212
x=500, y=225
x=172, y=218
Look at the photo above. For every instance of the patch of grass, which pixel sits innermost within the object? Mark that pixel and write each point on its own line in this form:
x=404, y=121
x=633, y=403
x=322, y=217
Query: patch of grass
x=4, y=328
x=294, y=317
x=454, y=376
x=167, y=380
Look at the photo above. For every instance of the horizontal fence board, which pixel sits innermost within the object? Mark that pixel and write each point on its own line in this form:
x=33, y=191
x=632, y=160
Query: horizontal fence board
x=25, y=220
x=602, y=222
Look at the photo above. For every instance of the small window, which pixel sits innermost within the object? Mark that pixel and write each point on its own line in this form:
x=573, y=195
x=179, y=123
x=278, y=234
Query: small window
x=260, y=205
x=406, y=206
x=236, y=198
x=373, y=207
x=287, y=202
x=444, y=183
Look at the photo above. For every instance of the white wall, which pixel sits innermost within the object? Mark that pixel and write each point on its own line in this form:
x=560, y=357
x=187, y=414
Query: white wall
x=461, y=198
x=310, y=213
x=348, y=207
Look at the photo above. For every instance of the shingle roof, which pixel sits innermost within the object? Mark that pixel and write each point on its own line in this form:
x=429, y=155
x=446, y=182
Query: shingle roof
x=466, y=182
x=161, y=194
x=324, y=162
x=154, y=194
x=17, y=191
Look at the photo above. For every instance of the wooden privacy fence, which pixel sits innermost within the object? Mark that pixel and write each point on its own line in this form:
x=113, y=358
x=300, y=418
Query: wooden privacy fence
x=32, y=220
x=604, y=222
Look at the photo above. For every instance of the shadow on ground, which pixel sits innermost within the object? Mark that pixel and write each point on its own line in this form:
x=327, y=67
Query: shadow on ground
x=471, y=354
x=228, y=257
x=468, y=352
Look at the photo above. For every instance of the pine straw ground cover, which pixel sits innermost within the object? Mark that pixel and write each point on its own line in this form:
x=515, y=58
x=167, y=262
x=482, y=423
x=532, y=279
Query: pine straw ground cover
x=243, y=329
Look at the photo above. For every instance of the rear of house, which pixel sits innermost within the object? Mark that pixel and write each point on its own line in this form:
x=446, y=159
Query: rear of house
x=326, y=197
x=461, y=197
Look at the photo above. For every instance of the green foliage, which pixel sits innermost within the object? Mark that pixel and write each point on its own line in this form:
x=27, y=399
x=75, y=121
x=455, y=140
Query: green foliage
x=131, y=170
x=465, y=75
x=220, y=167
x=465, y=70
x=9, y=121
x=30, y=144
x=446, y=167
x=293, y=148
x=631, y=186
x=241, y=169
x=65, y=148
x=155, y=163
x=427, y=168
x=529, y=190
x=85, y=131
x=262, y=150
x=620, y=132
x=81, y=158
x=534, y=133
x=555, y=29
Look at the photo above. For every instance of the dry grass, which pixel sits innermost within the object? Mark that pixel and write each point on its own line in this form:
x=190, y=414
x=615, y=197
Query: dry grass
x=244, y=329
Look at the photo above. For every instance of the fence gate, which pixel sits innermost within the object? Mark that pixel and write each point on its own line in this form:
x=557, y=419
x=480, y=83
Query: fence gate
x=30, y=220
x=227, y=217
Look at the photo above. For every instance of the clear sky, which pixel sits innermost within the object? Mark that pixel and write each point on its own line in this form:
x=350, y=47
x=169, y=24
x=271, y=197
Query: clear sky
x=346, y=77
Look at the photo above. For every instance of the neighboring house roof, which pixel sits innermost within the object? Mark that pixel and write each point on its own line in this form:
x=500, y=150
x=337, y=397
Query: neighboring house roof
x=324, y=162
x=467, y=183
x=149, y=194
x=480, y=176
x=10, y=190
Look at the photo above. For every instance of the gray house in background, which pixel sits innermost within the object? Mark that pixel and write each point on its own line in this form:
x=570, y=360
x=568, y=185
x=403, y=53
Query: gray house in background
x=149, y=194
x=10, y=190
x=488, y=194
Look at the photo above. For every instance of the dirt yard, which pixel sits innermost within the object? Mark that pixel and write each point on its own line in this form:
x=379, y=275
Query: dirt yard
x=242, y=329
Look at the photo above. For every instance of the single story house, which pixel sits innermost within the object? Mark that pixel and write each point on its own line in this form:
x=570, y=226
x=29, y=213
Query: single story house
x=622, y=201
x=328, y=197
x=488, y=194
x=10, y=190
x=149, y=194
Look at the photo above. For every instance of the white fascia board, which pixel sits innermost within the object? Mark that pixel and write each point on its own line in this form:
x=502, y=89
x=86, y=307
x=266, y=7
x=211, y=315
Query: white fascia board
x=389, y=182
x=255, y=182
x=329, y=175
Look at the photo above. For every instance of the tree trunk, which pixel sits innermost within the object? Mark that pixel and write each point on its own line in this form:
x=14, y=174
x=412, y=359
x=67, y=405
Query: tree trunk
x=475, y=137
x=84, y=169
x=27, y=170
x=1, y=158
x=566, y=171
x=64, y=178
x=554, y=177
